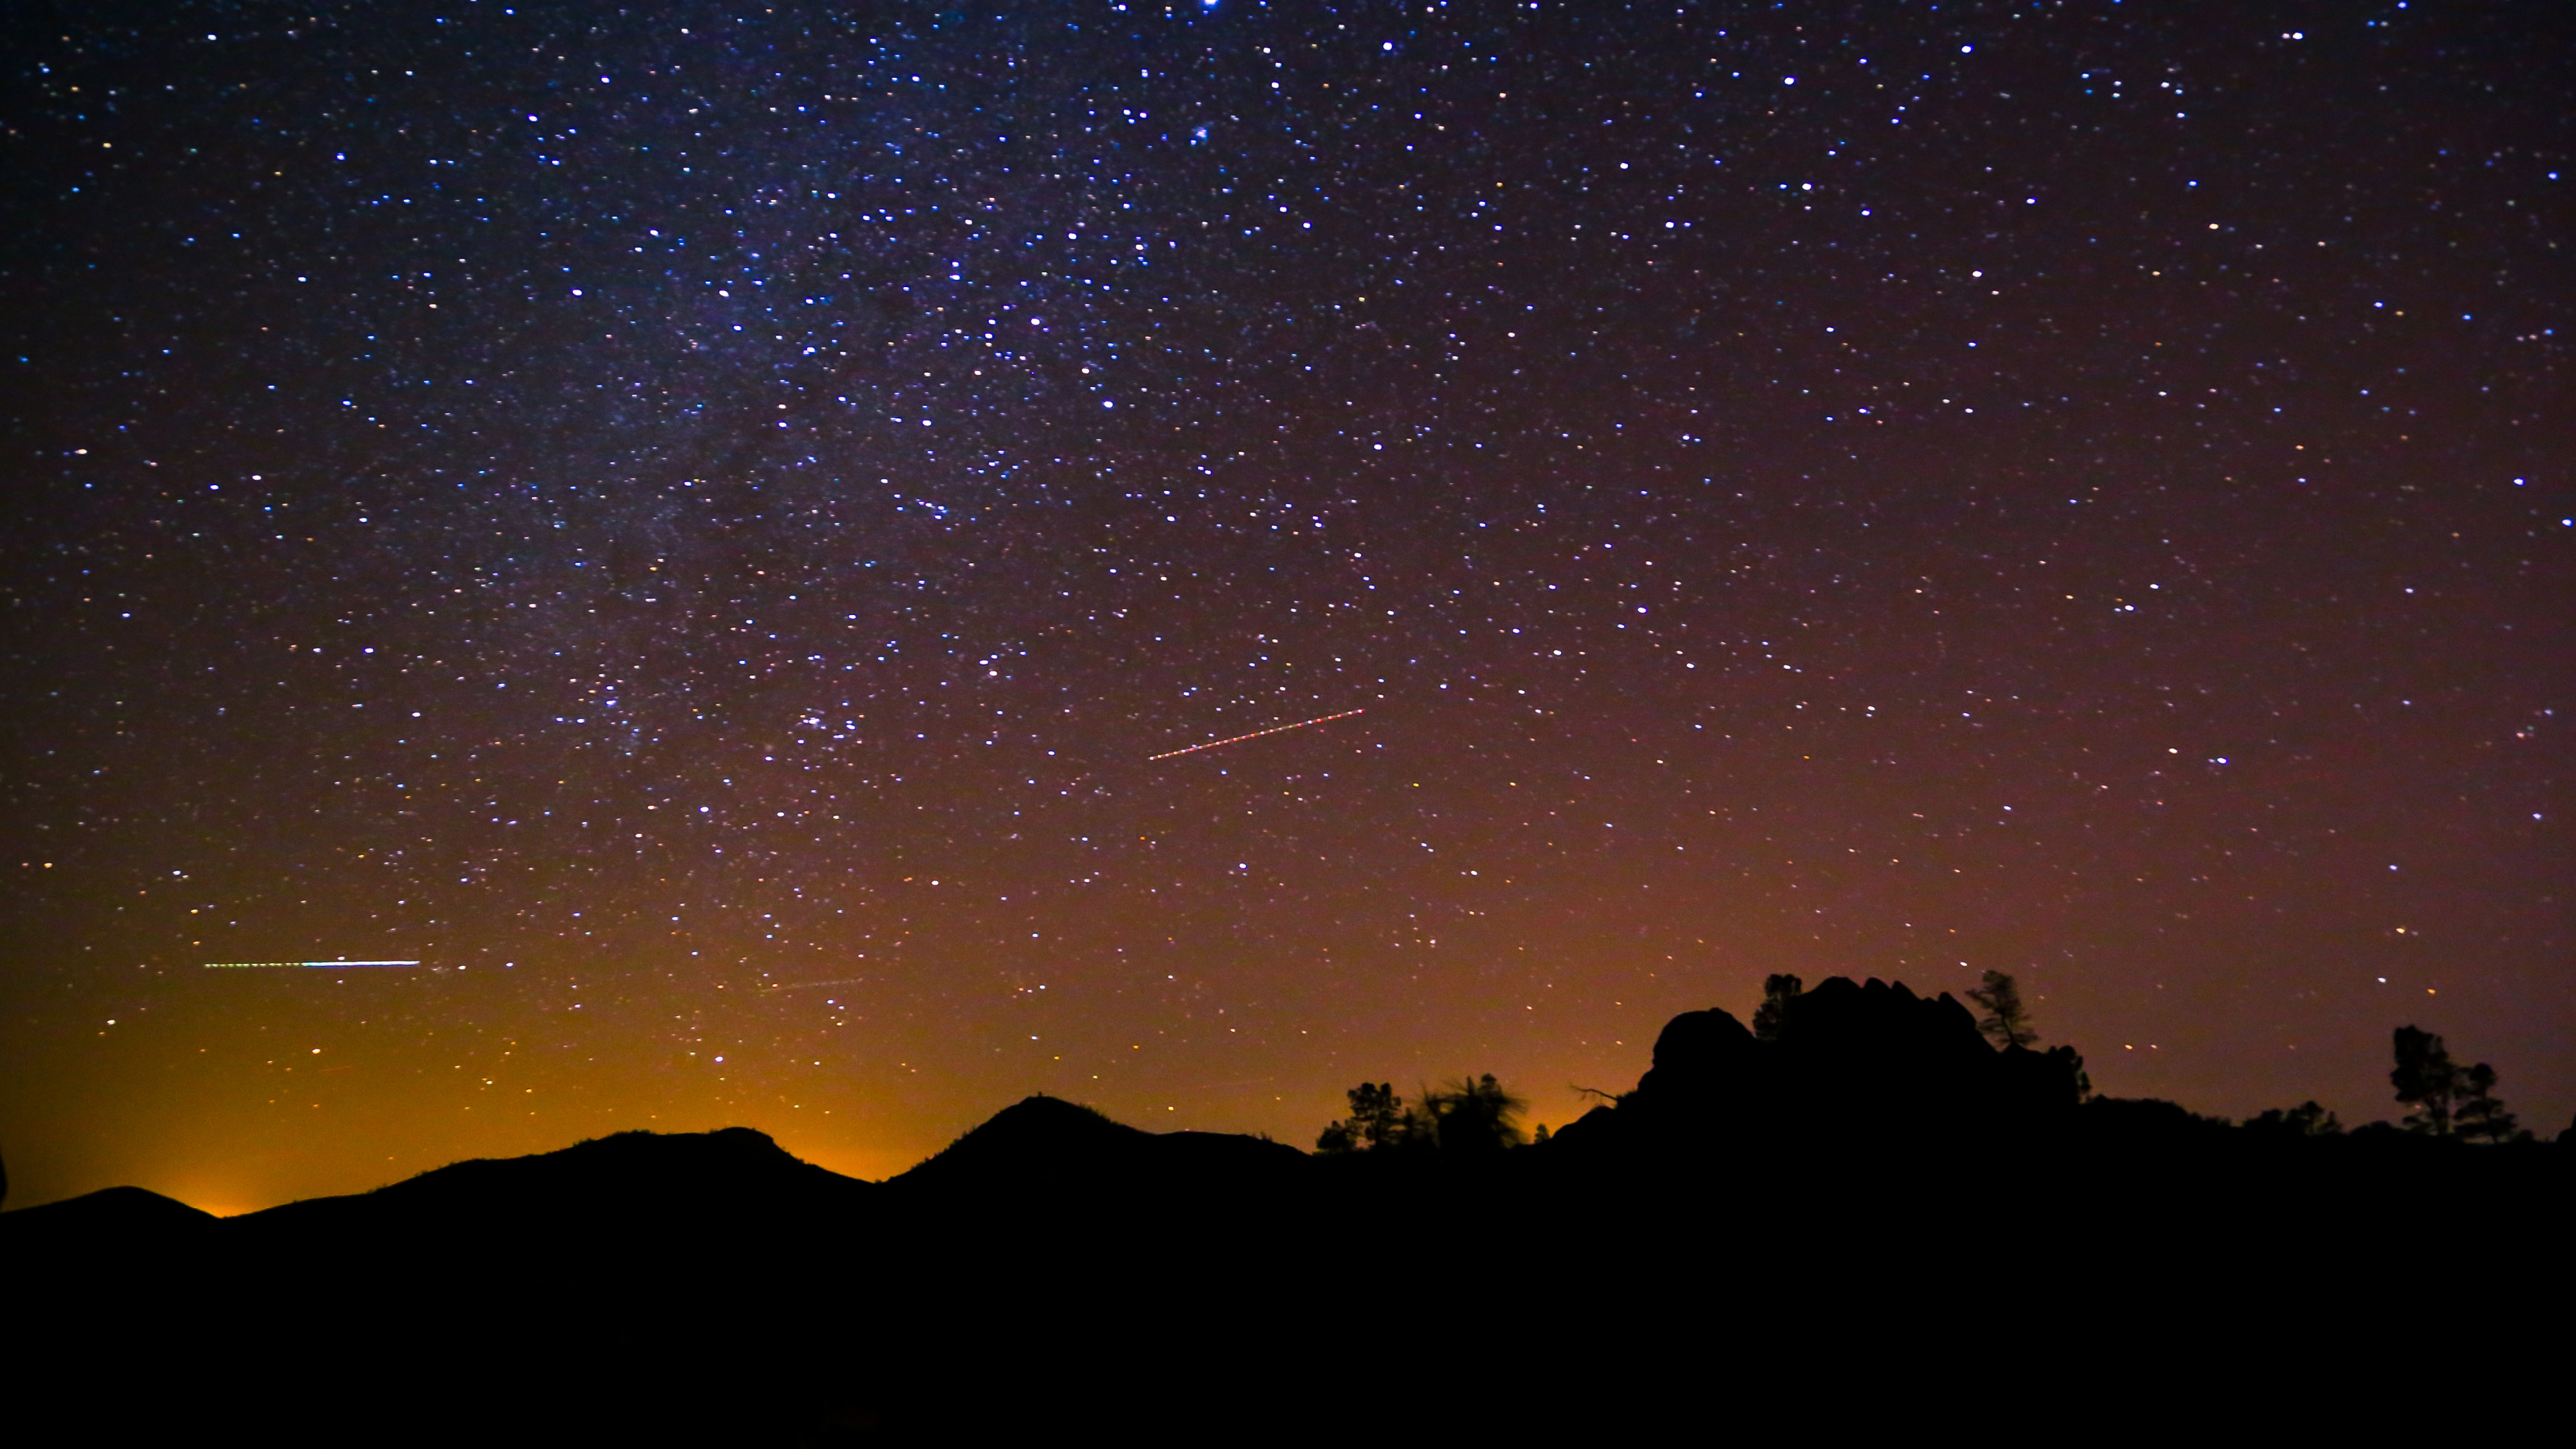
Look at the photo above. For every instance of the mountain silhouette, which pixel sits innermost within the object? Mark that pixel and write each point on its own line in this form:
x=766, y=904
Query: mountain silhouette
x=117, y=1221
x=1770, y=1234
x=1046, y=1144
x=639, y=1180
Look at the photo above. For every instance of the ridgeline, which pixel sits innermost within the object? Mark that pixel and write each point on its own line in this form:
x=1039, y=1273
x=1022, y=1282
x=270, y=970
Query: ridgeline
x=1815, y=1221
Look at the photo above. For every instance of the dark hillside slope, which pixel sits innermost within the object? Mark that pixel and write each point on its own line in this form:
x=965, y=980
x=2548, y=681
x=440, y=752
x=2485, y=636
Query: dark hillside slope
x=1762, y=1232
x=112, y=1223
x=638, y=1181
x=1047, y=1145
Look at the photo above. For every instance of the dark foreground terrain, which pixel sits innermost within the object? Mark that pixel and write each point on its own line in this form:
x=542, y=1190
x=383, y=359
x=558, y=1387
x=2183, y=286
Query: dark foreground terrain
x=1875, y=1223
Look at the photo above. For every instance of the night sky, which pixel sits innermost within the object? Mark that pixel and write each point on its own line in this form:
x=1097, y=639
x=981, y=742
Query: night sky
x=691, y=521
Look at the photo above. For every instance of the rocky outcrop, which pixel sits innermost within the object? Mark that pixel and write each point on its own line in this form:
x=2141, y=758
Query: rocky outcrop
x=1867, y=1062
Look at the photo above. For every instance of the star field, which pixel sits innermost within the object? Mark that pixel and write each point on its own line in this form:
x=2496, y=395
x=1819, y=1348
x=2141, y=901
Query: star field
x=694, y=522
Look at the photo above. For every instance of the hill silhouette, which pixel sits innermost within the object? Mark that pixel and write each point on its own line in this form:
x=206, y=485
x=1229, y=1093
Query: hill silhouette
x=112, y=1222
x=1046, y=1144
x=631, y=1181
x=1761, y=1227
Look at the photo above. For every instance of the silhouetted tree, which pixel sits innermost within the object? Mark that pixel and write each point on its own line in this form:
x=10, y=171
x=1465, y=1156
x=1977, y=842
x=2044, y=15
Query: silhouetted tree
x=1378, y=1113
x=2304, y=1120
x=2071, y=1062
x=1475, y=1115
x=1777, y=993
x=1378, y=1119
x=1538, y=1135
x=2007, y=1021
x=2425, y=1080
x=2480, y=1117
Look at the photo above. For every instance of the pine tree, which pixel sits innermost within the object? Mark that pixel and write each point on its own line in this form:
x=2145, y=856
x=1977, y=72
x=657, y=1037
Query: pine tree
x=1777, y=994
x=1378, y=1119
x=2007, y=1021
x=1475, y=1114
x=2482, y=1118
x=1377, y=1113
x=2426, y=1080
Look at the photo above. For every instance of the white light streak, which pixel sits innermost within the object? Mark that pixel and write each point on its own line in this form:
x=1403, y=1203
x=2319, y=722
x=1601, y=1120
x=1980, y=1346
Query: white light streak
x=271, y=965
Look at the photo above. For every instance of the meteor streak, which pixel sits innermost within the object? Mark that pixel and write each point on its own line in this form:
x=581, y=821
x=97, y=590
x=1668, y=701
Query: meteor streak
x=1256, y=734
x=269, y=965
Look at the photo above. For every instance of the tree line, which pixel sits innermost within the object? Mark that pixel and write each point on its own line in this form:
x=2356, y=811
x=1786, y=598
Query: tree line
x=1477, y=1114
x=1471, y=1114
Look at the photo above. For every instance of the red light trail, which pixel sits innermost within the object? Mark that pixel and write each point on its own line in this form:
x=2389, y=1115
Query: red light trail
x=1256, y=734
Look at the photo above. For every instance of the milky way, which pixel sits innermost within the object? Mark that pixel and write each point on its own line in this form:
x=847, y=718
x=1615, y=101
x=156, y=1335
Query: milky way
x=641, y=510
